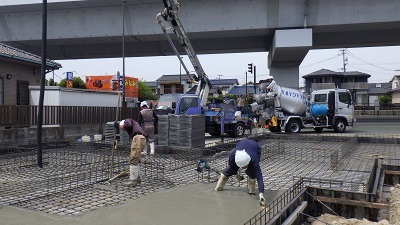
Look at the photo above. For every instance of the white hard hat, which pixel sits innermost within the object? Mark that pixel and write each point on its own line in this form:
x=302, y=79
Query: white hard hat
x=270, y=77
x=242, y=159
x=144, y=103
x=121, y=123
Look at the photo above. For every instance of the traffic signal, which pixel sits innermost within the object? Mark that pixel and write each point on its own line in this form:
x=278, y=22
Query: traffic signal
x=250, y=67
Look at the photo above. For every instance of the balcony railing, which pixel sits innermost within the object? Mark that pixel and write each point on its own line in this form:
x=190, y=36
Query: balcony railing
x=319, y=86
x=356, y=85
x=23, y=116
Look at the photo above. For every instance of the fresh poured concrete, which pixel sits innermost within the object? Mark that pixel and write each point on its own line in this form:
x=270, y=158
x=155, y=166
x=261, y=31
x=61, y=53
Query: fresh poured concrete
x=191, y=204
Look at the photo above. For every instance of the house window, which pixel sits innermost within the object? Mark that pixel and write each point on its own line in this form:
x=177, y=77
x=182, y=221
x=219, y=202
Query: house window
x=322, y=80
x=348, y=80
x=167, y=88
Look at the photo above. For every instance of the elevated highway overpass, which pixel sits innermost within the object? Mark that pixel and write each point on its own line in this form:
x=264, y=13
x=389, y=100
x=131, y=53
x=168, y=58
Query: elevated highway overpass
x=93, y=29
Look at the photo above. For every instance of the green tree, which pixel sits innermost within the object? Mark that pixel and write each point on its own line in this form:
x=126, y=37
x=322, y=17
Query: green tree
x=51, y=82
x=385, y=100
x=77, y=82
x=145, y=93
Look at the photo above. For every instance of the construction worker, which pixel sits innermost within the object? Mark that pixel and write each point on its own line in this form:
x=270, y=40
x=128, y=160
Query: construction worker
x=272, y=91
x=148, y=120
x=272, y=84
x=245, y=156
x=136, y=134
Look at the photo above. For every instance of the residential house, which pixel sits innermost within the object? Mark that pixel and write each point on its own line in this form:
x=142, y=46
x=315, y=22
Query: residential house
x=241, y=91
x=395, y=81
x=18, y=70
x=222, y=86
x=356, y=82
x=173, y=84
x=376, y=90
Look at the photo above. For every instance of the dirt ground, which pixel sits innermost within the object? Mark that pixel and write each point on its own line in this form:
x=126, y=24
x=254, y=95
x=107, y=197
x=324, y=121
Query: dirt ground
x=394, y=214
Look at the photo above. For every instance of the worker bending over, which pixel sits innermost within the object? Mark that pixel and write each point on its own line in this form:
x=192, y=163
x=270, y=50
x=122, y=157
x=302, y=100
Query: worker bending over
x=246, y=156
x=136, y=134
x=148, y=120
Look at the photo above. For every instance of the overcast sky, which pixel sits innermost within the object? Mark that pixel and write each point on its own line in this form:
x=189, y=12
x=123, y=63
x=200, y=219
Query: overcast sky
x=380, y=62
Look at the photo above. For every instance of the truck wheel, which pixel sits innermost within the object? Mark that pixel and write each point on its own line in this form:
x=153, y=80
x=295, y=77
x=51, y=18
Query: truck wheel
x=293, y=126
x=318, y=129
x=340, y=126
x=238, y=130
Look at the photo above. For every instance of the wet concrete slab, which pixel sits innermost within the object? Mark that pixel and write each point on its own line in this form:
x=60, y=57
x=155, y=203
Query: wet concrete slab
x=192, y=204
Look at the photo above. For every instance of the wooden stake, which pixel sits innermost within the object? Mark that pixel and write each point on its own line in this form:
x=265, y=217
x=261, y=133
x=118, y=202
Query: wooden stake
x=115, y=141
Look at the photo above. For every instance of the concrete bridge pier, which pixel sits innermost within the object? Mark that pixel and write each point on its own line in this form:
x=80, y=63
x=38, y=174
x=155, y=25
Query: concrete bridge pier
x=287, y=51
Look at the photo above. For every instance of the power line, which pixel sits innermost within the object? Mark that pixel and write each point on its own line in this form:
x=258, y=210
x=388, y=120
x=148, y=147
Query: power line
x=364, y=61
x=325, y=60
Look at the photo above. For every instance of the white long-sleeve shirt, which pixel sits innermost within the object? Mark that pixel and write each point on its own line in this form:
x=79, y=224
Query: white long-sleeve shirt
x=272, y=86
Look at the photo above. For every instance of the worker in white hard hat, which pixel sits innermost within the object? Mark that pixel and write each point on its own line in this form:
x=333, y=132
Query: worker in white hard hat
x=245, y=156
x=272, y=84
x=136, y=134
x=272, y=91
x=148, y=120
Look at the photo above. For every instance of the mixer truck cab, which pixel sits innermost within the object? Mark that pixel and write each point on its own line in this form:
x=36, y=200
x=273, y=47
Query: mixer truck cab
x=332, y=108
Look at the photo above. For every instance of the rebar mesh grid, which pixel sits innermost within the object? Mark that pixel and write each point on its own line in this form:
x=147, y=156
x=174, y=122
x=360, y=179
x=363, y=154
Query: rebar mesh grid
x=66, y=184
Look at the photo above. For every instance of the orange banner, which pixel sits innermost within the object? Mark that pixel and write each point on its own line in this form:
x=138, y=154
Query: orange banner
x=69, y=84
x=112, y=83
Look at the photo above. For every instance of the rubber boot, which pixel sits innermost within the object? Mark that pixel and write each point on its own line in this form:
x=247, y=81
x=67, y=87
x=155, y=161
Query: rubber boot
x=221, y=182
x=251, y=186
x=138, y=180
x=133, y=176
x=151, y=148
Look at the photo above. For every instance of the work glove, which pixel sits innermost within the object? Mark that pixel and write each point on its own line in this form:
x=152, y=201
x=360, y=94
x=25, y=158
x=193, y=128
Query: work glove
x=262, y=199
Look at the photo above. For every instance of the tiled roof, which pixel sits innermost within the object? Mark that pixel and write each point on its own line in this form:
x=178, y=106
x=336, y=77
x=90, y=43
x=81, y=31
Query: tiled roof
x=241, y=90
x=383, y=89
x=151, y=83
x=224, y=82
x=330, y=73
x=17, y=54
x=322, y=72
x=174, y=77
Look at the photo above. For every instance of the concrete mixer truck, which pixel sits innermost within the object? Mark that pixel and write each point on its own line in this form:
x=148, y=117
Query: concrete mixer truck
x=288, y=110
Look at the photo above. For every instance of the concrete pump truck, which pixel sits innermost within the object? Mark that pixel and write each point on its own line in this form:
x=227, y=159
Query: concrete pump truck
x=194, y=103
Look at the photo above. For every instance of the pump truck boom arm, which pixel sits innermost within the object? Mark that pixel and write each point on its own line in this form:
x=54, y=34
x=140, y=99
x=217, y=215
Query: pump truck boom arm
x=170, y=15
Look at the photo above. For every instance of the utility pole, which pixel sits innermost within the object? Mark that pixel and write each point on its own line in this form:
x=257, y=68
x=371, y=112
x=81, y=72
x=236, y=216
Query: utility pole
x=344, y=59
x=255, y=79
x=42, y=86
x=219, y=76
x=123, y=57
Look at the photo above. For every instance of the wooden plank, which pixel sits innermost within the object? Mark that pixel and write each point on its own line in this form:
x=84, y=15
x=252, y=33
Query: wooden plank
x=342, y=201
x=392, y=172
